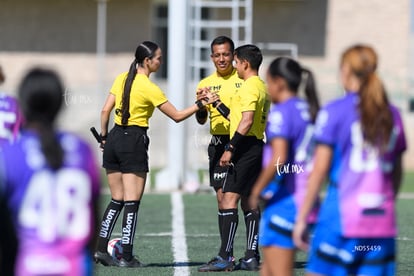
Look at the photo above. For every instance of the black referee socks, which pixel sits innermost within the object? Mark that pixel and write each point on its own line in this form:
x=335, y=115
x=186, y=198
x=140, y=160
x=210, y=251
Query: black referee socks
x=129, y=224
x=230, y=220
x=252, y=218
x=220, y=222
x=220, y=225
x=108, y=222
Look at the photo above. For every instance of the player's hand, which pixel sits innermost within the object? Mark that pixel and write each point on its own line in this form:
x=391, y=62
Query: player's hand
x=211, y=97
x=225, y=159
x=300, y=235
x=254, y=201
x=202, y=93
x=102, y=145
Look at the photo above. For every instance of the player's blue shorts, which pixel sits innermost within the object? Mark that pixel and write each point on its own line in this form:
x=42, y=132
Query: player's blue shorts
x=276, y=226
x=332, y=254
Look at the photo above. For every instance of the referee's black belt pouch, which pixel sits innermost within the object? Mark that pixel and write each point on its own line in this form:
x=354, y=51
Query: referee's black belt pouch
x=138, y=129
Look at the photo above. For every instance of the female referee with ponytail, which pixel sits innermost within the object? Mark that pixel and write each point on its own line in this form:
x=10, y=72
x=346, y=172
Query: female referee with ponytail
x=359, y=145
x=282, y=180
x=125, y=156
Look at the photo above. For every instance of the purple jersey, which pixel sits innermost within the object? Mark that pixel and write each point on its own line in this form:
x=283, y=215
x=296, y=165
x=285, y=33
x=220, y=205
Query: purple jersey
x=289, y=120
x=53, y=210
x=10, y=119
x=360, y=193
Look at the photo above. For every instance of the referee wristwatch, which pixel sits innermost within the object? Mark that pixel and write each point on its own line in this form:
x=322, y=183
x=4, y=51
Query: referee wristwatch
x=229, y=147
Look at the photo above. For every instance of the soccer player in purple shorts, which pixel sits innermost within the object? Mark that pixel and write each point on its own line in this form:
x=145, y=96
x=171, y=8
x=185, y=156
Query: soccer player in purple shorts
x=50, y=182
x=360, y=141
x=282, y=181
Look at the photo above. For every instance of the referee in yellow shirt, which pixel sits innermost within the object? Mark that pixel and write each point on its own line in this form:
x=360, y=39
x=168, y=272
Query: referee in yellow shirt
x=242, y=156
x=223, y=82
x=125, y=157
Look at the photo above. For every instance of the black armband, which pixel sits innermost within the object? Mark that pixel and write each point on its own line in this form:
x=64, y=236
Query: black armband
x=237, y=138
x=103, y=137
x=223, y=110
x=202, y=113
x=199, y=104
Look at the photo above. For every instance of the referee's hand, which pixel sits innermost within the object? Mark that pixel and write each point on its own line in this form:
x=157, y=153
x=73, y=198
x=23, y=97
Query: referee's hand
x=202, y=93
x=225, y=159
x=102, y=145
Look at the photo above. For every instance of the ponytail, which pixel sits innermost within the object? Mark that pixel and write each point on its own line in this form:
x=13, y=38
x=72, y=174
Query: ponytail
x=41, y=96
x=310, y=93
x=50, y=145
x=127, y=92
x=297, y=78
x=144, y=50
x=374, y=109
x=375, y=113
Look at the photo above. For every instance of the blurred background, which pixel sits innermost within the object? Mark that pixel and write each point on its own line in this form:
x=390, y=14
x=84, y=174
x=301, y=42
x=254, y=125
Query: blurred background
x=89, y=42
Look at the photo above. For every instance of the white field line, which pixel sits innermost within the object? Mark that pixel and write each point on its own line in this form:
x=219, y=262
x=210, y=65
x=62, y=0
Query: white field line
x=405, y=239
x=179, y=243
x=406, y=196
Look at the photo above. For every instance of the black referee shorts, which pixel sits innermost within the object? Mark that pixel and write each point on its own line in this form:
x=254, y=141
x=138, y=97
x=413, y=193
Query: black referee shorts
x=215, y=151
x=126, y=149
x=247, y=164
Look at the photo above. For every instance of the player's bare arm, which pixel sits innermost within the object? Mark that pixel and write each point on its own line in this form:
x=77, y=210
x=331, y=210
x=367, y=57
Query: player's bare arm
x=179, y=115
x=279, y=156
x=105, y=115
x=323, y=156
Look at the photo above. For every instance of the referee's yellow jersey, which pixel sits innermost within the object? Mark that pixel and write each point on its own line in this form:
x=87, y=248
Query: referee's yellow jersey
x=225, y=87
x=145, y=96
x=252, y=96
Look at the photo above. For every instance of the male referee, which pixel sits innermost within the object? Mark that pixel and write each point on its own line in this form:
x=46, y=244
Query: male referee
x=224, y=81
x=242, y=157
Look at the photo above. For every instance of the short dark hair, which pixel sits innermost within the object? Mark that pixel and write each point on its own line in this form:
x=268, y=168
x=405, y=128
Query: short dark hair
x=222, y=40
x=251, y=54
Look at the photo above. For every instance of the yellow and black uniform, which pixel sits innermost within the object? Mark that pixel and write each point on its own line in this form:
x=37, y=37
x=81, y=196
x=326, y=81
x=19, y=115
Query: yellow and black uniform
x=247, y=157
x=145, y=96
x=251, y=97
x=225, y=87
x=126, y=148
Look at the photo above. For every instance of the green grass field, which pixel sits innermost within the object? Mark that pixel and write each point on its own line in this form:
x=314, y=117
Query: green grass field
x=408, y=183
x=153, y=240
